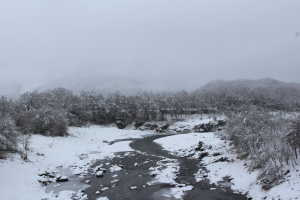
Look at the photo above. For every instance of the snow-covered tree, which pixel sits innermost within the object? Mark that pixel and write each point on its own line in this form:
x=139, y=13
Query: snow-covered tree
x=8, y=135
x=259, y=137
x=293, y=136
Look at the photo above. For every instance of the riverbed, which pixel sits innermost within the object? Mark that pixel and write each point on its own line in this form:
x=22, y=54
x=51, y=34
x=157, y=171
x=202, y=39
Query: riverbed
x=135, y=180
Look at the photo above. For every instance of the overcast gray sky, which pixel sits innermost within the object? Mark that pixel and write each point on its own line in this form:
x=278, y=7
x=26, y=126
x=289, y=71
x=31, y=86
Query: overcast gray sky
x=181, y=44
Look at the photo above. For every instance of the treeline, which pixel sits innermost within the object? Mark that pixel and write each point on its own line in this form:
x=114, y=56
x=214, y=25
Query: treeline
x=235, y=95
x=93, y=108
x=51, y=112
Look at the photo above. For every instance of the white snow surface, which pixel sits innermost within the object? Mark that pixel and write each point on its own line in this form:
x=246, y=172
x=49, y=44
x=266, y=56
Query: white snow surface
x=115, y=168
x=19, y=179
x=165, y=172
x=243, y=181
x=178, y=192
x=102, y=198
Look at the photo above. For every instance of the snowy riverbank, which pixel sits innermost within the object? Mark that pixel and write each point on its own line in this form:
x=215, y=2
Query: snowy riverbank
x=19, y=179
x=242, y=180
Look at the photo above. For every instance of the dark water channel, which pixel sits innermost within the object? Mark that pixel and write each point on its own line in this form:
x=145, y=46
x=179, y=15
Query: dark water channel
x=131, y=181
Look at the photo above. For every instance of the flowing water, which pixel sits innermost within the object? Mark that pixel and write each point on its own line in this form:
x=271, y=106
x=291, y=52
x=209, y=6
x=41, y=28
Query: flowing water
x=131, y=181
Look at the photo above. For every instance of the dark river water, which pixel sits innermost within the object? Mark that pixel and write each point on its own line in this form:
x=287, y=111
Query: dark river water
x=139, y=176
x=118, y=185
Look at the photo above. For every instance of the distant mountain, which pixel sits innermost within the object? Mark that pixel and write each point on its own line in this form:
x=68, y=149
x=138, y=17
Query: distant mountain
x=95, y=81
x=265, y=92
x=269, y=83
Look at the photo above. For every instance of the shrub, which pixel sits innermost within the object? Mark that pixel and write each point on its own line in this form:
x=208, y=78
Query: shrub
x=79, y=117
x=8, y=135
x=49, y=122
x=260, y=137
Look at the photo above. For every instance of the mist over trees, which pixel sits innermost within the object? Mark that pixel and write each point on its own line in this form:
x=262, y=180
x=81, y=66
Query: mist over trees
x=267, y=93
x=37, y=112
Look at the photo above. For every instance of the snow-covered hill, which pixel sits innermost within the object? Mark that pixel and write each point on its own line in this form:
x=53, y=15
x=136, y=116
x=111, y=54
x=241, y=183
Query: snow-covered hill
x=93, y=80
x=269, y=83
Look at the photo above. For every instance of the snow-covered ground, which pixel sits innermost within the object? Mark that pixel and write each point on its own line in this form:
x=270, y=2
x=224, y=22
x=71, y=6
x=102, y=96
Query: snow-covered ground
x=188, y=122
x=19, y=179
x=242, y=180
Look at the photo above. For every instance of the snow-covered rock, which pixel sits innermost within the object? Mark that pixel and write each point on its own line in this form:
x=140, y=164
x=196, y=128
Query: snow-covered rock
x=115, y=181
x=115, y=168
x=80, y=195
x=165, y=172
x=99, y=174
x=62, y=178
x=97, y=192
x=102, y=198
x=105, y=188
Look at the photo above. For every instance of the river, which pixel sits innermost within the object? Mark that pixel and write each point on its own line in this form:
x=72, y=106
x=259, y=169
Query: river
x=131, y=181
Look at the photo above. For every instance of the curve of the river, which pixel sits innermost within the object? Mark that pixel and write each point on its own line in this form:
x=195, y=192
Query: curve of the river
x=147, y=154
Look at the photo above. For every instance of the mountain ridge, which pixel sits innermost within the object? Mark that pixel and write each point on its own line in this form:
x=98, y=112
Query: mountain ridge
x=251, y=84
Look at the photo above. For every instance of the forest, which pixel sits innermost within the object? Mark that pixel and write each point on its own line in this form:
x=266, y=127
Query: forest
x=263, y=124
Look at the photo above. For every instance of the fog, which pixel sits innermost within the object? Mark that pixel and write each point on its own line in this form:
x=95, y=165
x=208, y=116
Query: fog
x=174, y=44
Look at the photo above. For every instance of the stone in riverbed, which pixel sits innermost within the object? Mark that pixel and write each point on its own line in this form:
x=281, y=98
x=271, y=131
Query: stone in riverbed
x=115, y=168
x=99, y=167
x=115, y=181
x=99, y=174
x=62, y=178
x=49, y=174
x=80, y=195
x=103, y=169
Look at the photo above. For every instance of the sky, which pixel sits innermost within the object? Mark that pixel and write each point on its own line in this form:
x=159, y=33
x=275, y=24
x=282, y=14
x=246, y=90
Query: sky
x=176, y=44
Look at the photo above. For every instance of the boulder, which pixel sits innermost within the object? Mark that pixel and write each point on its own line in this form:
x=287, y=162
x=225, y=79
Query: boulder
x=138, y=123
x=62, y=178
x=49, y=174
x=200, y=146
x=120, y=124
x=103, y=169
x=205, y=127
x=222, y=159
x=202, y=155
x=162, y=128
x=151, y=126
x=221, y=122
x=45, y=182
x=99, y=174
x=217, y=154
